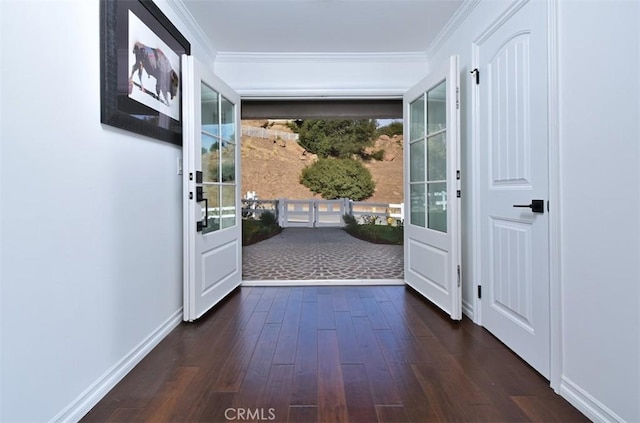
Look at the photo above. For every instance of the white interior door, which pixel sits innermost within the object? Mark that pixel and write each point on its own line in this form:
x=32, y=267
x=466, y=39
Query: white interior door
x=432, y=184
x=512, y=60
x=211, y=160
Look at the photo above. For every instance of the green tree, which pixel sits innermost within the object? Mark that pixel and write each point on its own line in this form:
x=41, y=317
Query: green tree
x=295, y=125
x=394, y=128
x=336, y=138
x=338, y=178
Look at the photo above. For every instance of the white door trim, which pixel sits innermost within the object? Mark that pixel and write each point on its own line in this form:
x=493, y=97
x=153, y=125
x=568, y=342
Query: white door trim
x=555, y=222
x=555, y=242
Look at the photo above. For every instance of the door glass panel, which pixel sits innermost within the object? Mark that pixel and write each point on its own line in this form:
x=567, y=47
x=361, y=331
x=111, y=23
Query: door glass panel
x=228, y=154
x=437, y=206
x=218, y=159
x=416, y=114
x=437, y=108
x=210, y=110
x=416, y=197
x=228, y=120
x=208, y=143
x=416, y=165
x=228, y=214
x=212, y=194
x=437, y=157
x=210, y=158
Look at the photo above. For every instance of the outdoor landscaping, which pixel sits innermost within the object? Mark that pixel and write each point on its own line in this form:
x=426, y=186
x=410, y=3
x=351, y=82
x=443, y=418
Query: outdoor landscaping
x=256, y=230
x=372, y=232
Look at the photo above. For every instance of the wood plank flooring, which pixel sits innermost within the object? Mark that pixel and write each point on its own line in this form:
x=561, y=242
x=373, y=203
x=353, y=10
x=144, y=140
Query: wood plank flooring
x=331, y=354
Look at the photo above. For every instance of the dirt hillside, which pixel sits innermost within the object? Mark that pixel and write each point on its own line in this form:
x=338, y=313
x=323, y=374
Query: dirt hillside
x=271, y=167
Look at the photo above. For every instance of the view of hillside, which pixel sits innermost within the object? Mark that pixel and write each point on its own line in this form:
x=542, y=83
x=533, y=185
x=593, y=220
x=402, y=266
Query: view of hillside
x=271, y=166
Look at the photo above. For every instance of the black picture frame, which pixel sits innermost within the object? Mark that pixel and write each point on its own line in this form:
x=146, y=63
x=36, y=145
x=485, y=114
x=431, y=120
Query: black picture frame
x=157, y=112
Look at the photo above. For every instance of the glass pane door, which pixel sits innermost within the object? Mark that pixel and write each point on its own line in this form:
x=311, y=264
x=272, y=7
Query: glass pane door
x=218, y=160
x=428, y=159
x=432, y=186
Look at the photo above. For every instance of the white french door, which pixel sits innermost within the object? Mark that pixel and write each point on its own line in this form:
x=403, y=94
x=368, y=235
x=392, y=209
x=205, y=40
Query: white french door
x=211, y=160
x=432, y=186
x=514, y=183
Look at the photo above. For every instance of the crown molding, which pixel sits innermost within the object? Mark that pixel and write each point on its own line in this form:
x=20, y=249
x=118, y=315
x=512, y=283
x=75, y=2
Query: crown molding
x=266, y=57
x=179, y=8
x=450, y=27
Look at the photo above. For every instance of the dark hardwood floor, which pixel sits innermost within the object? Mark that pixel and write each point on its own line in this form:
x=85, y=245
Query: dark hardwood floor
x=331, y=354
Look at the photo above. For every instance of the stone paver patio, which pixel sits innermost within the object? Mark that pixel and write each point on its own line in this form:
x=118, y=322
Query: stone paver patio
x=321, y=253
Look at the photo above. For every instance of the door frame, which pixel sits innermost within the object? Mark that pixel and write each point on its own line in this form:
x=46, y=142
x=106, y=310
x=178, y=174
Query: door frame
x=553, y=139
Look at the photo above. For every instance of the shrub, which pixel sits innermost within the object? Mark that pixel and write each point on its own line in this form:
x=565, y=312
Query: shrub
x=349, y=220
x=338, y=178
x=394, y=128
x=378, y=155
x=258, y=230
x=370, y=220
x=336, y=138
x=378, y=234
x=294, y=125
x=267, y=218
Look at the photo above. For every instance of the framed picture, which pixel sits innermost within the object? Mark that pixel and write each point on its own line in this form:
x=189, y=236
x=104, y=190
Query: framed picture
x=140, y=69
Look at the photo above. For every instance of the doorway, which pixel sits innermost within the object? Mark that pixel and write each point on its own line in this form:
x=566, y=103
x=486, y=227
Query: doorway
x=313, y=247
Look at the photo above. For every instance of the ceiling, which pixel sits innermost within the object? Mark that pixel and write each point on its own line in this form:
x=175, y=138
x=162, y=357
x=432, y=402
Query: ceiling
x=321, y=26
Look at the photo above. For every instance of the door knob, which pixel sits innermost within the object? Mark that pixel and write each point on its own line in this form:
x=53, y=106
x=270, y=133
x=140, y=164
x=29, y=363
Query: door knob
x=200, y=225
x=536, y=206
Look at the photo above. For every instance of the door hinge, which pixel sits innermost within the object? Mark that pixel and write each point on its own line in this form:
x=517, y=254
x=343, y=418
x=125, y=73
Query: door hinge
x=457, y=97
x=190, y=195
x=458, y=175
x=477, y=75
x=479, y=291
x=458, y=194
x=459, y=277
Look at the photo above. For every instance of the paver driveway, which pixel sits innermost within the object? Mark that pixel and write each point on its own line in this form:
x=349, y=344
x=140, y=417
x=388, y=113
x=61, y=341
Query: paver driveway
x=321, y=253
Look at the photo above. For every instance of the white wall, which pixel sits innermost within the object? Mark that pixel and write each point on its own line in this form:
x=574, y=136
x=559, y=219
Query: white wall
x=600, y=142
x=91, y=259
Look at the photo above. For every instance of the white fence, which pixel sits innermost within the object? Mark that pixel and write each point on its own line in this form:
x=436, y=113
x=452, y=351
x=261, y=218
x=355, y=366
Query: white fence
x=313, y=213
x=383, y=213
x=253, y=131
x=254, y=208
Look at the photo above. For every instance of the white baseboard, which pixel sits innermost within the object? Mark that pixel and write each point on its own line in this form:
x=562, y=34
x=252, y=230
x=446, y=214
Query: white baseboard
x=587, y=404
x=325, y=282
x=94, y=393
